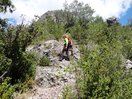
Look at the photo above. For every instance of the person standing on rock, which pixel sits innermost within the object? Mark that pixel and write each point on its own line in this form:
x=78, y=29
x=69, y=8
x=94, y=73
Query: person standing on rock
x=67, y=46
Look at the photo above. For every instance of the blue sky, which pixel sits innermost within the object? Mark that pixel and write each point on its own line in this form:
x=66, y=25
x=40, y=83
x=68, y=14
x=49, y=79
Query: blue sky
x=124, y=18
x=12, y=21
x=122, y=9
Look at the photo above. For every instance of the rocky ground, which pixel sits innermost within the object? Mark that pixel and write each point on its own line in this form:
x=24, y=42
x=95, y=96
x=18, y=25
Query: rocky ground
x=51, y=80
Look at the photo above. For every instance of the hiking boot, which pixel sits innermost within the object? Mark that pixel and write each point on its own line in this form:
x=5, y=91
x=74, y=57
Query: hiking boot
x=72, y=54
x=68, y=59
x=60, y=59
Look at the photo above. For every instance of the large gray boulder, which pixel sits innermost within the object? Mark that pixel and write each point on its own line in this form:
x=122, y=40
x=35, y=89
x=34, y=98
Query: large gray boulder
x=52, y=50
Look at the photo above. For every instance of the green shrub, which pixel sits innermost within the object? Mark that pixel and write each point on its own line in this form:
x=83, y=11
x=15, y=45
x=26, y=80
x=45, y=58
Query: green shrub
x=44, y=61
x=24, y=68
x=68, y=93
x=127, y=42
x=103, y=73
x=24, y=86
x=4, y=63
x=6, y=90
x=30, y=62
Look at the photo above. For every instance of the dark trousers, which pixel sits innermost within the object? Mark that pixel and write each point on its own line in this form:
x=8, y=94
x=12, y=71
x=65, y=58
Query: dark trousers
x=65, y=50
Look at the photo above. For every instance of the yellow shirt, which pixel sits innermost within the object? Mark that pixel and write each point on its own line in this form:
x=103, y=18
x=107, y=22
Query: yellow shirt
x=66, y=41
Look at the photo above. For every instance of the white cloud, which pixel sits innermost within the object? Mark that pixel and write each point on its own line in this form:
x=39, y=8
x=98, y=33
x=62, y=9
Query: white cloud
x=29, y=8
x=107, y=8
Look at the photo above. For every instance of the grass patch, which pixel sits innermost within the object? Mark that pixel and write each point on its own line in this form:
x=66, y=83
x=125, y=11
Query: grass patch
x=44, y=61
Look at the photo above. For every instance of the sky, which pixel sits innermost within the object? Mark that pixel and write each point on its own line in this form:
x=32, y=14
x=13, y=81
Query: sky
x=122, y=9
x=124, y=18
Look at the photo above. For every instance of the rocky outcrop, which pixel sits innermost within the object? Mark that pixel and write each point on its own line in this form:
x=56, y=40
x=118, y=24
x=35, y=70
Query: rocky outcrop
x=112, y=21
x=50, y=80
x=56, y=15
x=52, y=49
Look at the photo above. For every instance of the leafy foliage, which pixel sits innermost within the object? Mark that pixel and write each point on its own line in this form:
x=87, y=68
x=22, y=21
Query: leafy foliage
x=15, y=62
x=44, y=61
x=6, y=4
x=77, y=12
x=68, y=93
x=6, y=90
x=103, y=72
x=4, y=63
x=127, y=42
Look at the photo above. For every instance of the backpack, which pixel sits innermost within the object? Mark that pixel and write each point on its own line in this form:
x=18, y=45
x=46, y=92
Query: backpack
x=70, y=43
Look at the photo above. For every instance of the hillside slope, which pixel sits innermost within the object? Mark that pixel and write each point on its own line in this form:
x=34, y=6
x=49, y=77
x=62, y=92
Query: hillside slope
x=51, y=80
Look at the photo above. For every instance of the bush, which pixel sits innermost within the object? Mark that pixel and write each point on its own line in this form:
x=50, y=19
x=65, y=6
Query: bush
x=4, y=63
x=44, y=61
x=24, y=68
x=103, y=73
x=6, y=90
x=127, y=42
x=68, y=93
x=24, y=86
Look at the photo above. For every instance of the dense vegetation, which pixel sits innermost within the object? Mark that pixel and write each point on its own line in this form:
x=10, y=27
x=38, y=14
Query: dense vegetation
x=100, y=71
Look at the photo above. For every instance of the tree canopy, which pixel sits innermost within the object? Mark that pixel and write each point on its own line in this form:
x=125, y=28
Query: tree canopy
x=6, y=5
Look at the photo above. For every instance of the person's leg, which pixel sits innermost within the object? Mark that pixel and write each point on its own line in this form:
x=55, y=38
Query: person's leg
x=62, y=54
x=71, y=50
x=67, y=53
